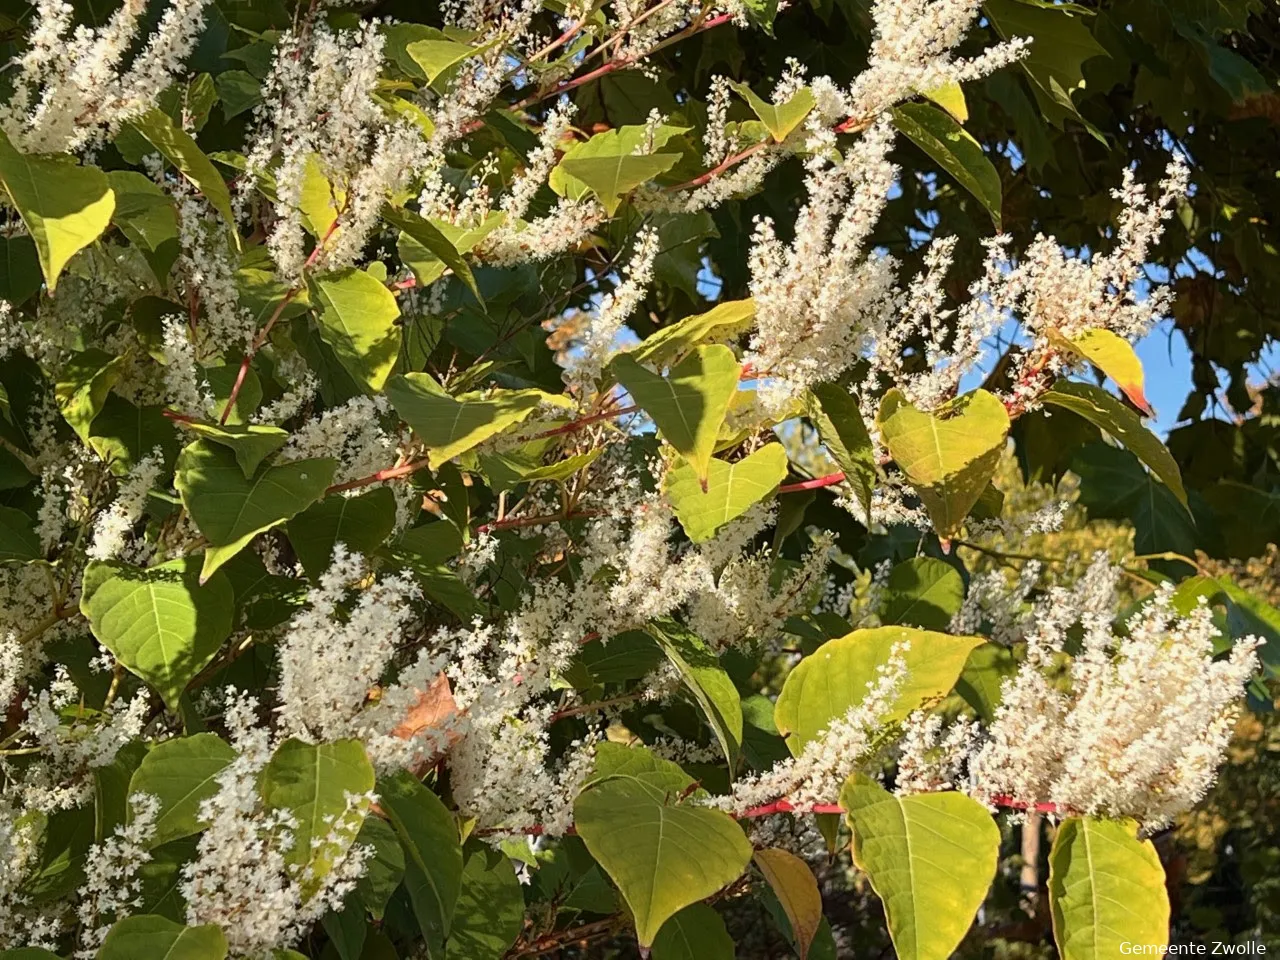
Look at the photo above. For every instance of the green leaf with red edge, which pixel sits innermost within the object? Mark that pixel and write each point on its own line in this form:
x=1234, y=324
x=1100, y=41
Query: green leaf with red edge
x=1114, y=356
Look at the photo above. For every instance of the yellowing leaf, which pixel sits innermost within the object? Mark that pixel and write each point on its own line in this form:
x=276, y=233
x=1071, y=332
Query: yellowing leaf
x=1114, y=356
x=780, y=118
x=1103, y=410
x=797, y=891
x=1106, y=889
x=731, y=490
x=451, y=426
x=64, y=206
x=688, y=404
x=930, y=857
x=948, y=456
x=318, y=202
x=827, y=683
x=950, y=97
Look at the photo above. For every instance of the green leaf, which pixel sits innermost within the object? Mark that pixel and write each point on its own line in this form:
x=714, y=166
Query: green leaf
x=430, y=238
x=433, y=855
x=160, y=879
x=311, y=781
x=707, y=680
x=123, y=434
x=177, y=146
x=1115, y=357
x=162, y=623
x=252, y=443
x=985, y=671
x=661, y=857
x=930, y=857
x=111, y=806
x=796, y=888
x=239, y=91
x=490, y=911
x=450, y=426
x=19, y=269
x=690, y=403
x=437, y=56
x=722, y=322
x=83, y=385
x=923, y=592
x=181, y=773
x=830, y=681
x=230, y=509
x=695, y=933
x=361, y=523
x=28, y=953
x=64, y=206
x=611, y=178
x=731, y=489
x=155, y=937
x=952, y=148
x=384, y=870
x=357, y=316
x=781, y=119
x=1105, y=411
x=835, y=413
x=948, y=456
x=19, y=542
x=1106, y=889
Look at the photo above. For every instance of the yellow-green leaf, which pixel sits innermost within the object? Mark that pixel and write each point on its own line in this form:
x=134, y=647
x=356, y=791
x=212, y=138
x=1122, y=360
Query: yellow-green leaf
x=953, y=149
x=695, y=933
x=1106, y=889
x=708, y=682
x=429, y=245
x=251, y=442
x=1114, y=356
x=730, y=491
x=1103, y=410
x=663, y=856
x=357, y=317
x=797, y=891
x=948, y=456
x=834, y=678
x=690, y=403
x=64, y=206
x=781, y=119
x=950, y=97
x=612, y=178
x=721, y=322
x=451, y=426
x=930, y=858
x=437, y=56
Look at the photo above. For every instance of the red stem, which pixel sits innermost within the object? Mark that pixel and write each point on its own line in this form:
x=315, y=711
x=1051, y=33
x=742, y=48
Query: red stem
x=785, y=806
x=720, y=168
x=581, y=422
x=390, y=473
x=830, y=480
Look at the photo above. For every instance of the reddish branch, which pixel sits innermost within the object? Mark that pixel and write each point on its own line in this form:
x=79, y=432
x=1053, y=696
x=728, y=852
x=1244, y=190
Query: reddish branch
x=390, y=473
x=785, y=806
x=830, y=480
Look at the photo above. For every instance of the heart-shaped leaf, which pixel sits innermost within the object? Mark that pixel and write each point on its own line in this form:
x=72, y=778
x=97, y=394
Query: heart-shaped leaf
x=251, y=442
x=690, y=403
x=827, y=683
x=147, y=935
x=451, y=426
x=231, y=509
x=732, y=488
x=721, y=322
x=930, y=857
x=797, y=891
x=164, y=623
x=662, y=856
x=360, y=523
x=357, y=316
x=779, y=118
x=181, y=773
x=64, y=206
x=949, y=456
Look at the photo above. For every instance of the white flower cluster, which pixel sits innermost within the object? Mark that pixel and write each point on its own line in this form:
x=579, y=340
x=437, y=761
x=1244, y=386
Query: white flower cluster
x=71, y=89
x=111, y=888
x=351, y=433
x=1139, y=729
x=240, y=878
x=113, y=526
